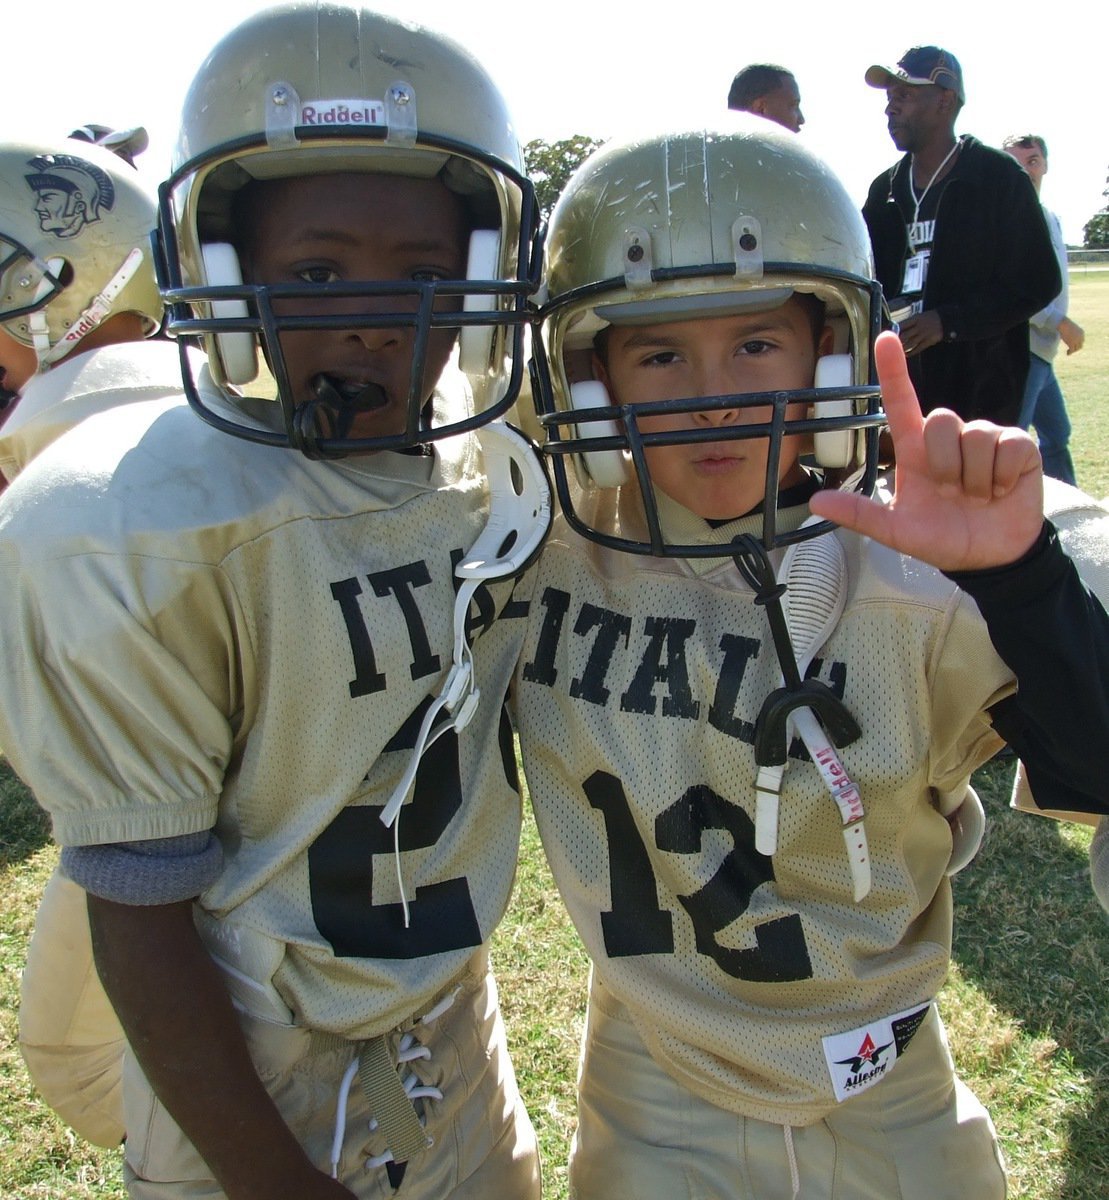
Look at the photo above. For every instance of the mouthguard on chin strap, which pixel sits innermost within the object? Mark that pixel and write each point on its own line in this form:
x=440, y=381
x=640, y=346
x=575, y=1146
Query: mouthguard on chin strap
x=331, y=413
x=329, y=390
x=803, y=605
x=518, y=521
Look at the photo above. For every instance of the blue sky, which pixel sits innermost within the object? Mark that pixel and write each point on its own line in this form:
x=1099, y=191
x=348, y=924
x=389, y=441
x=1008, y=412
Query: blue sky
x=583, y=66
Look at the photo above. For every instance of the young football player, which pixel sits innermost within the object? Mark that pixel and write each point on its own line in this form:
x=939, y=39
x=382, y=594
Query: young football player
x=748, y=734
x=257, y=680
x=75, y=275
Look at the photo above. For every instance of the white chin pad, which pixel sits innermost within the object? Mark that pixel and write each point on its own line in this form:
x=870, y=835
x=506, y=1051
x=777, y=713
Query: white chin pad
x=834, y=449
x=237, y=354
x=475, y=342
x=606, y=468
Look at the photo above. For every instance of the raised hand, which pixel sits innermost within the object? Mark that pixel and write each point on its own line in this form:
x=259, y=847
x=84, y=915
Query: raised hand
x=967, y=495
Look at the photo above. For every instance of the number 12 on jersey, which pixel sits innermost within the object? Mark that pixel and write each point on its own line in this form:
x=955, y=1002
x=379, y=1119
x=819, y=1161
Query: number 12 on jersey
x=637, y=924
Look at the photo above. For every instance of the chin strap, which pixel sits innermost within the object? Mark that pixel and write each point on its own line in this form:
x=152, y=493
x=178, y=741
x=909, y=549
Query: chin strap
x=93, y=316
x=803, y=605
x=518, y=522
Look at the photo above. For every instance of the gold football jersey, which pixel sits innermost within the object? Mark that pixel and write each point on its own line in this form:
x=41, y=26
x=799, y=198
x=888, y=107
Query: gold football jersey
x=202, y=632
x=757, y=981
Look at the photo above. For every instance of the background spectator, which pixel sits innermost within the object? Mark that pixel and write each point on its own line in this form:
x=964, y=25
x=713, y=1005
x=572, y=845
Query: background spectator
x=1043, y=404
x=769, y=91
x=960, y=246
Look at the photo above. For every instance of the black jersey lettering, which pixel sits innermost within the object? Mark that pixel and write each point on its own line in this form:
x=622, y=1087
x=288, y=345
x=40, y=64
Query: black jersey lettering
x=401, y=582
x=612, y=630
x=367, y=679
x=542, y=667
x=668, y=634
x=738, y=652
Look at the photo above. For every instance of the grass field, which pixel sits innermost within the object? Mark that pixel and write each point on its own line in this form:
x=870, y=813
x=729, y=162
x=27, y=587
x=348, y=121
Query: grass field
x=1025, y=1004
x=1084, y=378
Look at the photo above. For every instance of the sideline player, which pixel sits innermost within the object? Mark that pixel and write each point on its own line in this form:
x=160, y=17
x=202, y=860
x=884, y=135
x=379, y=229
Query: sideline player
x=79, y=304
x=243, y=672
x=75, y=272
x=749, y=736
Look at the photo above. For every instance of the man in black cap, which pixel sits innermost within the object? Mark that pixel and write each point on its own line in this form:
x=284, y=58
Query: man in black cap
x=960, y=245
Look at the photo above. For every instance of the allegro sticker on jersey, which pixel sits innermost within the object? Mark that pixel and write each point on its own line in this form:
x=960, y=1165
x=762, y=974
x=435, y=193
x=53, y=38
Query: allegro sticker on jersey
x=343, y=112
x=861, y=1057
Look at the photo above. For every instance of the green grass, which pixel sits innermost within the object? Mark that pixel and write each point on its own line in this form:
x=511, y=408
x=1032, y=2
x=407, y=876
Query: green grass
x=1025, y=1007
x=1084, y=378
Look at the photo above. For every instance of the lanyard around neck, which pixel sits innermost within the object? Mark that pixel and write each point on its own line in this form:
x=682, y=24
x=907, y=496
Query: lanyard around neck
x=919, y=200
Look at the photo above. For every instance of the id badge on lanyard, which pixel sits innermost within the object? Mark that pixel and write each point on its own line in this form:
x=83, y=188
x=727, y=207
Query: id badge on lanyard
x=916, y=271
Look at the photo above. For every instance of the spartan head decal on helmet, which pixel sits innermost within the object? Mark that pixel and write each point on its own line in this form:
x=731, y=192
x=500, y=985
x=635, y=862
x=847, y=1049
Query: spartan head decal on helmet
x=285, y=95
x=69, y=193
x=690, y=225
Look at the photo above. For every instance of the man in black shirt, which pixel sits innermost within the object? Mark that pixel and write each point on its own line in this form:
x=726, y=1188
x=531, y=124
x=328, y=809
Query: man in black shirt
x=960, y=245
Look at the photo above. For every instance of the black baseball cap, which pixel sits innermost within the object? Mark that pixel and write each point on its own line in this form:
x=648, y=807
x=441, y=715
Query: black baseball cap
x=919, y=67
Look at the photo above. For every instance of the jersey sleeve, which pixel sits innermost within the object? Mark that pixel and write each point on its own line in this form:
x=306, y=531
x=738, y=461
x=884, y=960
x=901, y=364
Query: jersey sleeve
x=967, y=679
x=118, y=700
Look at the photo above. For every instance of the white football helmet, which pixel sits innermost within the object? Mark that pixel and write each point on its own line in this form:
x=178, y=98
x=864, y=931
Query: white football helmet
x=697, y=224
x=75, y=226
x=318, y=88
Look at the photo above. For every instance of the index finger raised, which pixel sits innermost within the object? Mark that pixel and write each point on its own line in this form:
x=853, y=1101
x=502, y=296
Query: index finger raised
x=898, y=394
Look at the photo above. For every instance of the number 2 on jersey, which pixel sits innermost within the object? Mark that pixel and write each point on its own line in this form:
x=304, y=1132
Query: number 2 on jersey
x=341, y=871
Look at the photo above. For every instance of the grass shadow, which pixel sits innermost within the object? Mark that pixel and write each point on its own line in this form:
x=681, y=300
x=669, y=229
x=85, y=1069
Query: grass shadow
x=1031, y=936
x=24, y=827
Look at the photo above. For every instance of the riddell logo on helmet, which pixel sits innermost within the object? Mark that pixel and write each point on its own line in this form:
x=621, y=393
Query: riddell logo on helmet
x=343, y=112
x=77, y=331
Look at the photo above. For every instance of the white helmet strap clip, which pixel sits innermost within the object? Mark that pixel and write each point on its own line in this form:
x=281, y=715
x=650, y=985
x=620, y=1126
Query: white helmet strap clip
x=400, y=114
x=518, y=521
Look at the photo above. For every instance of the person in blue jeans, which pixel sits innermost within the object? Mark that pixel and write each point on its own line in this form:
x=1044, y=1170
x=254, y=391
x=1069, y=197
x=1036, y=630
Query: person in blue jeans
x=1043, y=406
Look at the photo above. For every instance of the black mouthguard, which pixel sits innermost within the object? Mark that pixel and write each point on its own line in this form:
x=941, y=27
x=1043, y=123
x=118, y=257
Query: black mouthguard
x=329, y=391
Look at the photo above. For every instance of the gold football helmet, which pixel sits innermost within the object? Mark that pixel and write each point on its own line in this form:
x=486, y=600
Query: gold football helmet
x=312, y=89
x=75, y=225
x=694, y=224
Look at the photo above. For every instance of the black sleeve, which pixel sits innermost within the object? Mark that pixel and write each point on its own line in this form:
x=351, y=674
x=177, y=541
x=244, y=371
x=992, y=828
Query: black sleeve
x=1053, y=634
